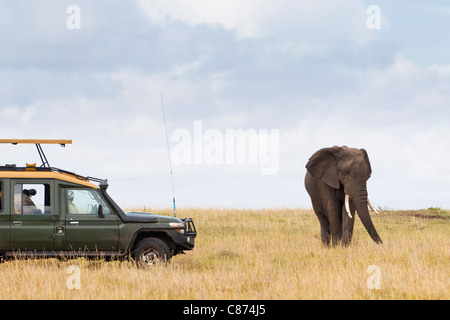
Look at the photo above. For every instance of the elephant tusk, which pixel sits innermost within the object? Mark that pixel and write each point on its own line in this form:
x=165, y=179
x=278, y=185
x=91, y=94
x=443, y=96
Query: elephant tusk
x=347, y=205
x=371, y=206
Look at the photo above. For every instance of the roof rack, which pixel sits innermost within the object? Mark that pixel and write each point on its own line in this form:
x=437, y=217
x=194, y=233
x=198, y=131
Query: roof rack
x=103, y=182
x=38, y=143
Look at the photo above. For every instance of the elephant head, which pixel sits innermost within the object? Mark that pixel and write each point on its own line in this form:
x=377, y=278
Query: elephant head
x=346, y=170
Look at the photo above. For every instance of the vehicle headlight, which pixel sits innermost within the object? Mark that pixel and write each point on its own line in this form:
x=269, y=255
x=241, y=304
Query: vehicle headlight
x=178, y=226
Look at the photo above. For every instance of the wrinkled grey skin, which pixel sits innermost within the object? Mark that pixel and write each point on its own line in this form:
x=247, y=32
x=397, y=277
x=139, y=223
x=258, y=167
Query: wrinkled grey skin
x=332, y=173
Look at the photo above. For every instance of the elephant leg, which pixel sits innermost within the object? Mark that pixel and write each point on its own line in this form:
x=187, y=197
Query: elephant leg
x=324, y=230
x=347, y=225
x=336, y=231
x=335, y=218
x=324, y=226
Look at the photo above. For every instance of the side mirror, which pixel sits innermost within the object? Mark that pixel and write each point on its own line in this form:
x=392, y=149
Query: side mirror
x=100, y=211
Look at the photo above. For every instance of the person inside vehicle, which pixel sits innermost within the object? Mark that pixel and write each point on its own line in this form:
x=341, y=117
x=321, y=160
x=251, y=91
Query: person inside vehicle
x=28, y=205
x=72, y=207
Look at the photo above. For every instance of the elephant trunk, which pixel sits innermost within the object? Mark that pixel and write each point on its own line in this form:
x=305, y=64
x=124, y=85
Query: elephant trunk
x=360, y=200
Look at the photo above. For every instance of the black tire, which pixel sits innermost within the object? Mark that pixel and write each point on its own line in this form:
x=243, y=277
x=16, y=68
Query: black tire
x=151, y=251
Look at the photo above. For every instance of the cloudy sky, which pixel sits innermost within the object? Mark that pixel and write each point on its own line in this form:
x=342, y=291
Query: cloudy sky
x=250, y=89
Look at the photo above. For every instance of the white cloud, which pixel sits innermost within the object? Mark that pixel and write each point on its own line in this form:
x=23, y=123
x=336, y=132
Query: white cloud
x=407, y=88
x=260, y=18
x=241, y=16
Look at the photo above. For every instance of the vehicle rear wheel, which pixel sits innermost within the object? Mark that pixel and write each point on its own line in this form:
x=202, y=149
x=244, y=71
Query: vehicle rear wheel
x=151, y=251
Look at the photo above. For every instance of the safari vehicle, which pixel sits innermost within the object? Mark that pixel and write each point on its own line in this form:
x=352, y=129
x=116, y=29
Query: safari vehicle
x=50, y=212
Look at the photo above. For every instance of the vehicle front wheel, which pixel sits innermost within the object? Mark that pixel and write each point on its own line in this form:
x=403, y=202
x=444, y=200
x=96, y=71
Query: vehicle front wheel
x=151, y=251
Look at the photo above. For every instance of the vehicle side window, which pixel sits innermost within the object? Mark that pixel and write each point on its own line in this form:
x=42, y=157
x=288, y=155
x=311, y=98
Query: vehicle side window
x=1, y=196
x=31, y=198
x=85, y=201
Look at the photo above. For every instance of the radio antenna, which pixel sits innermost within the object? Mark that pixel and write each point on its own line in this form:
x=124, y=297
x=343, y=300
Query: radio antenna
x=168, y=152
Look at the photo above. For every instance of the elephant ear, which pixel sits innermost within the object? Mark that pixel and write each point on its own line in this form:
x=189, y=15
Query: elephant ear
x=366, y=157
x=322, y=166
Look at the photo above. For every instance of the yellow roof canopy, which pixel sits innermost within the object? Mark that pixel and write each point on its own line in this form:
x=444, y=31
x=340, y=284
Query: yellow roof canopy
x=36, y=141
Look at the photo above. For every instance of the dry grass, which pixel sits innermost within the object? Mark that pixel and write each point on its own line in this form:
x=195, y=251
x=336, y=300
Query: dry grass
x=262, y=254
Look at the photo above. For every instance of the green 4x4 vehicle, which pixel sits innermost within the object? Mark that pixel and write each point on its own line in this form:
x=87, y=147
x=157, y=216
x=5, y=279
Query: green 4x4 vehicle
x=49, y=212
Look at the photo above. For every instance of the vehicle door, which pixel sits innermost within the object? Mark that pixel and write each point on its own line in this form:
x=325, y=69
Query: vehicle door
x=32, y=214
x=5, y=218
x=91, y=225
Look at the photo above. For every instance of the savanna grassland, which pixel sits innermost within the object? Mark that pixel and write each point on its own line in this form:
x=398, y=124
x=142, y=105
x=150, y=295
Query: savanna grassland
x=262, y=254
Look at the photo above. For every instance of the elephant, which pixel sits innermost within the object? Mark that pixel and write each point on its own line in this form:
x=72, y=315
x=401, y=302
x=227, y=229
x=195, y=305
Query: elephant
x=336, y=181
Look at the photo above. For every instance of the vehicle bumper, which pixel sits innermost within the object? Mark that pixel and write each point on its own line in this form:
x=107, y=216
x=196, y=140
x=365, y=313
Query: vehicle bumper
x=187, y=240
